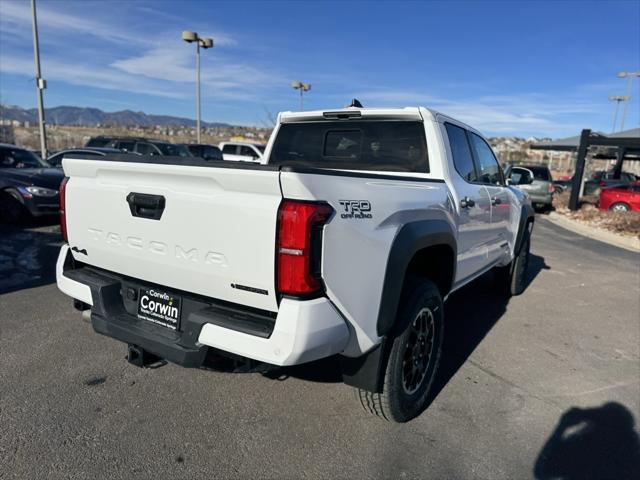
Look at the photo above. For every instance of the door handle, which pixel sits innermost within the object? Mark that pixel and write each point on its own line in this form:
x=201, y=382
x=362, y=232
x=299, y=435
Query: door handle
x=466, y=202
x=146, y=206
x=496, y=201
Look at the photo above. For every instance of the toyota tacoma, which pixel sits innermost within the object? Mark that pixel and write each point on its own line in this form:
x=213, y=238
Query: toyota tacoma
x=345, y=240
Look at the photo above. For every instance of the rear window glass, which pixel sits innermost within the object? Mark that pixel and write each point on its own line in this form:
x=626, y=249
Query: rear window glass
x=540, y=173
x=398, y=146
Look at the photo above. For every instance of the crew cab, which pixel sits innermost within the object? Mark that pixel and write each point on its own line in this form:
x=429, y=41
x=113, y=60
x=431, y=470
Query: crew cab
x=344, y=240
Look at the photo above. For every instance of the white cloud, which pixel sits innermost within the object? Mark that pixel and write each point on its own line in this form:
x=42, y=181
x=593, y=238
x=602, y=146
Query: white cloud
x=86, y=75
x=219, y=76
x=18, y=14
x=534, y=113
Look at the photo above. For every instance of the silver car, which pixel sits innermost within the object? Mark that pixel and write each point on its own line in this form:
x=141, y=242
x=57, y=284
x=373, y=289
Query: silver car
x=536, y=181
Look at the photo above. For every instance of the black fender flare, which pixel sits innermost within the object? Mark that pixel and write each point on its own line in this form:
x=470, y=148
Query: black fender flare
x=367, y=371
x=411, y=238
x=527, y=216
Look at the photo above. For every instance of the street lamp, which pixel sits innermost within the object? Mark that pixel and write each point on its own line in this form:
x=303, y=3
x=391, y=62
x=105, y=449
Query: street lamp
x=41, y=83
x=303, y=87
x=630, y=76
x=205, y=43
x=617, y=99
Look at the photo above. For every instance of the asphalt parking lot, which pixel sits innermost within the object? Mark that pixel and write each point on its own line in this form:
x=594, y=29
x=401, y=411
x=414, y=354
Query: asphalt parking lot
x=546, y=385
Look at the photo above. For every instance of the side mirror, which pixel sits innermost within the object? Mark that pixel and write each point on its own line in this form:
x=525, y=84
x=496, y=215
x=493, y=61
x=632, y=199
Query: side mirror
x=520, y=176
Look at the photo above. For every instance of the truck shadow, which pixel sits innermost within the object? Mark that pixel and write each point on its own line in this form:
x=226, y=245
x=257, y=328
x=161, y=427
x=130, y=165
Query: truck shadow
x=596, y=442
x=471, y=313
x=28, y=255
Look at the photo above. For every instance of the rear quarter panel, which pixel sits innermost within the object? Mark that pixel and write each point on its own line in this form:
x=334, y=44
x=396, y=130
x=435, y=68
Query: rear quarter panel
x=356, y=247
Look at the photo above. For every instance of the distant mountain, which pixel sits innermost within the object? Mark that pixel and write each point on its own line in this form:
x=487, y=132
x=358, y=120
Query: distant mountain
x=92, y=117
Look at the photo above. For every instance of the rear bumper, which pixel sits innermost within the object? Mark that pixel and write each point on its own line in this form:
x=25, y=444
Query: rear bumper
x=546, y=198
x=301, y=331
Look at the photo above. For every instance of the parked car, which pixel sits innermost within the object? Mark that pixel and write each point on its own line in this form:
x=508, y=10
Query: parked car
x=149, y=147
x=346, y=242
x=602, y=179
x=99, y=141
x=242, y=151
x=208, y=152
x=28, y=185
x=541, y=189
x=55, y=160
x=620, y=198
x=141, y=146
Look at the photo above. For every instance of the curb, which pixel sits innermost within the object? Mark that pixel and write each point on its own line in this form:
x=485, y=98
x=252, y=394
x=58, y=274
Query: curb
x=622, y=241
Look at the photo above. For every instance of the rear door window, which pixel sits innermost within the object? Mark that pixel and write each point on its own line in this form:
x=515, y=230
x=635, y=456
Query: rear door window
x=230, y=149
x=144, y=149
x=461, y=152
x=248, y=151
x=380, y=145
x=211, y=153
x=541, y=173
x=127, y=146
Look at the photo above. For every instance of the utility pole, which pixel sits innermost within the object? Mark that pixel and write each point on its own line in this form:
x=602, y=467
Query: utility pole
x=303, y=87
x=41, y=83
x=629, y=76
x=205, y=43
x=617, y=99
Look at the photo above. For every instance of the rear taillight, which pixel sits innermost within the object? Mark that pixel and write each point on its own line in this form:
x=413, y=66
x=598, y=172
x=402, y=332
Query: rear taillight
x=602, y=184
x=298, y=246
x=63, y=208
x=551, y=188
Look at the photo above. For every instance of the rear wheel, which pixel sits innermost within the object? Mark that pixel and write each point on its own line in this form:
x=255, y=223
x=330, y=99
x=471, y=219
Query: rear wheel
x=413, y=357
x=619, y=207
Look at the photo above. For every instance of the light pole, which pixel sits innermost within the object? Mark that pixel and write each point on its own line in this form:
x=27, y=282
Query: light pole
x=630, y=76
x=41, y=84
x=617, y=99
x=205, y=43
x=303, y=87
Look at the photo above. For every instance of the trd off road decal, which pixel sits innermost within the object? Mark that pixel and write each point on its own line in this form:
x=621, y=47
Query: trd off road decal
x=356, y=209
x=159, y=307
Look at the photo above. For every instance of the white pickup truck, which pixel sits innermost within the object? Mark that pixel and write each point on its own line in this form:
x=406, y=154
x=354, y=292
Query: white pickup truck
x=241, y=151
x=345, y=240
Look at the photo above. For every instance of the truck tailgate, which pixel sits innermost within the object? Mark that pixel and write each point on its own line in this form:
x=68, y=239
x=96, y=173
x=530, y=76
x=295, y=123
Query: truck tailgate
x=215, y=235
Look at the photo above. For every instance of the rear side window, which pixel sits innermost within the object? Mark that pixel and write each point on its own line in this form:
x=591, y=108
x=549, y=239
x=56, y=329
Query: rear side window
x=461, y=152
x=382, y=145
x=230, y=149
x=145, y=149
x=540, y=173
x=212, y=153
x=248, y=152
x=128, y=146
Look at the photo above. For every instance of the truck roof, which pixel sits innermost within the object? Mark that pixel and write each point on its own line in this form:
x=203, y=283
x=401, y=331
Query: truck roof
x=405, y=113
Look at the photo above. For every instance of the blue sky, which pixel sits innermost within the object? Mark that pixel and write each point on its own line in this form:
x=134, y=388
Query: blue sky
x=507, y=68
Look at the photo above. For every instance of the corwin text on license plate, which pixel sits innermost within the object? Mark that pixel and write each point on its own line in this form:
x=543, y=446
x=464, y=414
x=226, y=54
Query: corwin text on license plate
x=159, y=307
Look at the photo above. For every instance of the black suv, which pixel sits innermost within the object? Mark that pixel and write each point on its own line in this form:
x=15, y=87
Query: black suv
x=28, y=185
x=141, y=146
x=208, y=152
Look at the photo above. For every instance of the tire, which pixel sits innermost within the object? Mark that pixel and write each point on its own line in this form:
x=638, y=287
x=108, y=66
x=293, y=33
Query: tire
x=512, y=279
x=619, y=207
x=407, y=384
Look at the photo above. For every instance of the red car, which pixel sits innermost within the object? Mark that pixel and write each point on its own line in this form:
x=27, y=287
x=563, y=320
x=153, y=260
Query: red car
x=621, y=198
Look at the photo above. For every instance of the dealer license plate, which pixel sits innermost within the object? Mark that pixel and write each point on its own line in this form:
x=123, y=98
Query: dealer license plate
x=159, y=307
